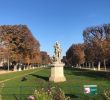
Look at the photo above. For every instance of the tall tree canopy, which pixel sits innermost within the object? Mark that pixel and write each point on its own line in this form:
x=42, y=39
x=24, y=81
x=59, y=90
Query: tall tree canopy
x=45, y=58
x=94, y=51
x=97, y=44
x=20, y=44
x=75, y=54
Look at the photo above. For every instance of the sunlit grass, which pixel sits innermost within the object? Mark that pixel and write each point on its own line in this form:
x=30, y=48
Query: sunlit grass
x=73, y=87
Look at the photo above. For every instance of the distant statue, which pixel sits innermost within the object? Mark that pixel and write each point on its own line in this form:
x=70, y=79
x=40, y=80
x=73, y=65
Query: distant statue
x=57, y=56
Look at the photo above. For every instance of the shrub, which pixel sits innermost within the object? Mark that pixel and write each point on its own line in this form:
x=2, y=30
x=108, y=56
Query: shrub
x=107, y=94
x=53, y=93
x=24, y=78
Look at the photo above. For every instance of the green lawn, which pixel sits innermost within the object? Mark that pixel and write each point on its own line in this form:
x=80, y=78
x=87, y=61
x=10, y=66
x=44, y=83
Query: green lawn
x=15, y=89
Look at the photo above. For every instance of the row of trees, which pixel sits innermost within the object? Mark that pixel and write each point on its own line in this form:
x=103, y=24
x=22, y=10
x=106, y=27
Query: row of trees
x=95, y=51
x=18, y=45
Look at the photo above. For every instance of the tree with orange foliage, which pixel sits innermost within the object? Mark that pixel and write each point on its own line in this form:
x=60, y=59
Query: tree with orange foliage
x=20, y=43
x=75, y=55
x=45, y=58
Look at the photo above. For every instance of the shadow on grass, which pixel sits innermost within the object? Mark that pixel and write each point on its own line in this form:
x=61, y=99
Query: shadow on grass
x=72, y=96
x=41, y=77
x=16, y=97
x=88, y=73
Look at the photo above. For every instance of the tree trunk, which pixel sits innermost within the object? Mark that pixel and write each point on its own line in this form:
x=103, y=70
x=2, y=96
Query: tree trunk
x=89, y=65
x=15, y=67
x=93, y=66
x=83, y=65
x=77, y=65
x=99, y=66
x=104, y=64
x=19, y=68
x=86, y=64
x=8, y=64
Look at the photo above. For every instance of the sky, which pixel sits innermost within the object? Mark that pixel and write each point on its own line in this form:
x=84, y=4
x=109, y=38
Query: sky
x=55, y=20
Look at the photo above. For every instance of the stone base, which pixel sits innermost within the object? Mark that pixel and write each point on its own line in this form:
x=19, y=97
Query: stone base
x=57, y=73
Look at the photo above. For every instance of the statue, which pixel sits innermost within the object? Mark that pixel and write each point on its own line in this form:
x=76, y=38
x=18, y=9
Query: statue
x=57, y=56
x=57, y=73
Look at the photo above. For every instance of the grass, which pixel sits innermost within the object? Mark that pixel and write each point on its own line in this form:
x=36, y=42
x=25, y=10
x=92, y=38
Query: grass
x=15, y=89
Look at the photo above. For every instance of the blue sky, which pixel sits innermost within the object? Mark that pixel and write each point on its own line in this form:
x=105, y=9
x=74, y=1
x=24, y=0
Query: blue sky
x=55, y=20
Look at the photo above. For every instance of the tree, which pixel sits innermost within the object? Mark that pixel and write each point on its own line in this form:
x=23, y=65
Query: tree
x=96, y=40
x=75, y=54
x=45, y=58
x=64, y=60
x=93, y=37
x=20, y=43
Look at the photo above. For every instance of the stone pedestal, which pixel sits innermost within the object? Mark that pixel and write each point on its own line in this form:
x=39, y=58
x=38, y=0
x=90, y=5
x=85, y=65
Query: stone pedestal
x=57, y=73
